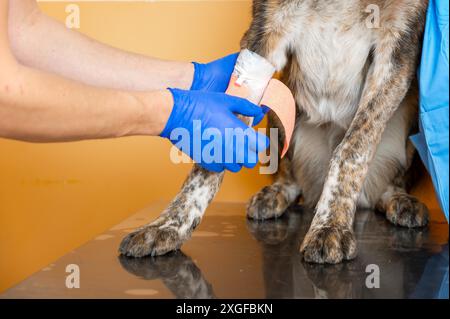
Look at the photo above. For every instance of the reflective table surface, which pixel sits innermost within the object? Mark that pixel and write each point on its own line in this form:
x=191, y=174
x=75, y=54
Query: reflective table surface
x=232, y=257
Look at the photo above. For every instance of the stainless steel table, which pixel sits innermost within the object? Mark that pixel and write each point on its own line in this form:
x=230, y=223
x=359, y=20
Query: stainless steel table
x=232, y=257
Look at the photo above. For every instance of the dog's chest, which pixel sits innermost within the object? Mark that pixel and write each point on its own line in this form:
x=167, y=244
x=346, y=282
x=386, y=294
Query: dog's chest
x=331, y=54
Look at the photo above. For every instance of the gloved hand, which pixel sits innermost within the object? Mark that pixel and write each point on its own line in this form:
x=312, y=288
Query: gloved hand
x=203, y=126
x=214, y=76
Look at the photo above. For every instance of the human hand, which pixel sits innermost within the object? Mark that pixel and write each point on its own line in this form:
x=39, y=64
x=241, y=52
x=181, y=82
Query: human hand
x=214, y=76
x=203, y=125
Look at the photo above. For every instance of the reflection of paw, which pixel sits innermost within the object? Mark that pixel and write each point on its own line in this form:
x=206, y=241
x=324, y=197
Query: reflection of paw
x=268, y=203
x=407, y=211
x=407, y=239
x=331, y=281
x=141, y=267
x=150, y=240
x=328, y=244
x=177, y=271
x=151, y=268
x=270, y=232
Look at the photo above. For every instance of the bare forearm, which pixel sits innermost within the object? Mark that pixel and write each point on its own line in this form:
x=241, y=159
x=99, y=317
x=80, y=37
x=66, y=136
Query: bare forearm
x=41, y=42
x=41, y=107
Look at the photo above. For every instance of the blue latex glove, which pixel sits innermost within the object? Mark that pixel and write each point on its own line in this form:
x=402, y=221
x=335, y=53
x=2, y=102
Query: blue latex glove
x=214, y=76
x=196, y=114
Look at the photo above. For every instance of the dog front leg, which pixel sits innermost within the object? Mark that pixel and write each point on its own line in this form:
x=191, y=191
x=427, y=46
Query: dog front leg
x=330, y=238
x=175, y=225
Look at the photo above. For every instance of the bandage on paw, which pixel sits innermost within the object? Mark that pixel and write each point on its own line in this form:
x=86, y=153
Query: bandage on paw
x=252, y=80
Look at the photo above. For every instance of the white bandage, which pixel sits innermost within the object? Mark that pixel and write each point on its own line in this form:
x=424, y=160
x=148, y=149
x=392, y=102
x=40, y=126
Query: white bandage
x=255, y=72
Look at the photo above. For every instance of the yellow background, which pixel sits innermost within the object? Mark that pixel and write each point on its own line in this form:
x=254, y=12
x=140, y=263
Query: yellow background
x=55, y=197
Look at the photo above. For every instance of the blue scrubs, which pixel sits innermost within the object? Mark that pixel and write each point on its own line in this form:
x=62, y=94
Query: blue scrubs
x=432, y=142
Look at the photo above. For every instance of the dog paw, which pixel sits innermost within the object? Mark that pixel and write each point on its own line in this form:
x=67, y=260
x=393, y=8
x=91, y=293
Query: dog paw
x=150, y=240
x=328, y=245
x=407, y=211
x=268, y=203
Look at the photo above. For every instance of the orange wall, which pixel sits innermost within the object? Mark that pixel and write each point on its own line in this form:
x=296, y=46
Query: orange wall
x=55, y=197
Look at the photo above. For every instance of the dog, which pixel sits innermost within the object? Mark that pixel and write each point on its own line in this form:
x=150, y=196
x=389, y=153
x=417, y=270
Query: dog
x=351, y=66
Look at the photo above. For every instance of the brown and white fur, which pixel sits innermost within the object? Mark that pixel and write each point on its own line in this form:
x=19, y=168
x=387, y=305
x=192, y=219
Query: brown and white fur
x=356, y=106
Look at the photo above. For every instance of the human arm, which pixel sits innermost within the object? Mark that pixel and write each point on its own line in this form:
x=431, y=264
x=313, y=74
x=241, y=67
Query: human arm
x=39, y=106
x=38, y=41
x=41, y=42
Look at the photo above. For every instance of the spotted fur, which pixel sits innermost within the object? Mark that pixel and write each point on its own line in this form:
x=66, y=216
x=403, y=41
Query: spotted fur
x=175, y=225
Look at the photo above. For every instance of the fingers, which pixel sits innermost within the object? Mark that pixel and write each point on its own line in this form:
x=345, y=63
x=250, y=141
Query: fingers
x=251, y=164
x=257, y=142
x=234, y=167
x=257, y=120
x=214, y=76
x=242, y=106
x=239, y=150
x=244, y=150
x=246, y=145
x=219, y=168
x=213, y=167
x=230, y=60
